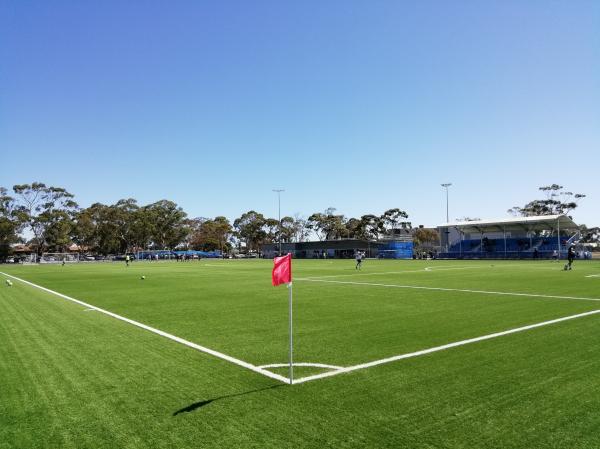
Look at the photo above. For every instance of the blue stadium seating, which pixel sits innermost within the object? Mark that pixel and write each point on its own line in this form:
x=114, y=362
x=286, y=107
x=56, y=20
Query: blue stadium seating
x=516, y=248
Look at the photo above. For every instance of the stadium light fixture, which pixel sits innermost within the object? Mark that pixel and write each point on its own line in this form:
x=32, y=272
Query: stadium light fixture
x=446, y=185
x=278, y=191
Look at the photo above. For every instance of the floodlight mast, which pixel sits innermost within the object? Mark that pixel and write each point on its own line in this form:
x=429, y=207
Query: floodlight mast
x=446, y=185
x=278, y=191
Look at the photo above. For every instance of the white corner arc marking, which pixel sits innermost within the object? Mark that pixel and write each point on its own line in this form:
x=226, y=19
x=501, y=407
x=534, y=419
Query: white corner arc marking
x=180, y=340
x=304, y=364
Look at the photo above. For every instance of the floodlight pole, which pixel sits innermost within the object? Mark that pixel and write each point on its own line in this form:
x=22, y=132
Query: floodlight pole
x=278, y=191
x=446, y=185
x=558, y=236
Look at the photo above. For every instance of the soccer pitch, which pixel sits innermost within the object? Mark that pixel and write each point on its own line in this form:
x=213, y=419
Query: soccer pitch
x=435, y=354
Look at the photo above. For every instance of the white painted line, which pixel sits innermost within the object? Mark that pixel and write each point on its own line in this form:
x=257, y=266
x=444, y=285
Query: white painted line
x=593, y=276
x=89, y=310
x=204, y=349
x=421, y=270
x=441, y=348
x=358, y=274
x=451, y=268
x=418, y=287
x=314, y=365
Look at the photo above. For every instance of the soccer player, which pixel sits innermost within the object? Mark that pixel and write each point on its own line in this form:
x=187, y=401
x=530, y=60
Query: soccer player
x=127, y=260
x=570, y=257
x=359, y=259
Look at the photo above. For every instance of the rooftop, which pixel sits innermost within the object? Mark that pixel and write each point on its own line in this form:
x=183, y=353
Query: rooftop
x=537, y=223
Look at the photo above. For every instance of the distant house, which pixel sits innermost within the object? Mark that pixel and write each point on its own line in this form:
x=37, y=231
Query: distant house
x=75, y=248
x=22, y=248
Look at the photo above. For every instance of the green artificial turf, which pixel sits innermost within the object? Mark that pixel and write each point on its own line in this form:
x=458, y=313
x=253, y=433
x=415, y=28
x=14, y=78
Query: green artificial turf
x=76, y=378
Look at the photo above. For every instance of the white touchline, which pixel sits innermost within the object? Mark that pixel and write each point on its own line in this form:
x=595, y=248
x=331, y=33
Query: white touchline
x=212, y=352
x=421, y=270
x=425, y=270
x=441, y=348
x=593, y=276
x=443, y=289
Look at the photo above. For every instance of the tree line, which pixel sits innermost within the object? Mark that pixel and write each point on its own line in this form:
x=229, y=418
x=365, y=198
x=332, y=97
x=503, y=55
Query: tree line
x=53, y=220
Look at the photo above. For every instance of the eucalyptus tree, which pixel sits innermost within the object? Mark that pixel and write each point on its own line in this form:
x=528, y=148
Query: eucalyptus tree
x=210, y=235
x=393, y=219
x=354, y=228
x=425, y=236
x=288, y=229
x=10, y=224
x=167, y=222
x=557, y=201
x=250, y=228
x=48, y=212
x=300, y=228
x=372, y=226
x=272, y=230
x=96, y=229
x=123, y=216
x=326, y=225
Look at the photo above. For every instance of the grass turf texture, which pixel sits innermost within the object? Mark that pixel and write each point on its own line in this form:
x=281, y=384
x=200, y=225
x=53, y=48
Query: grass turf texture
x=81, y=379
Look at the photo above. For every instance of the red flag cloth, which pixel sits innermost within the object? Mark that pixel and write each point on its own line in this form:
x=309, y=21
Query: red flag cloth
x=282, y=270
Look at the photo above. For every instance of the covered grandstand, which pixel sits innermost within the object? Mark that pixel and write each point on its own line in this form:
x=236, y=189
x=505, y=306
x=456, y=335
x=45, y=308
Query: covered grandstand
x=400, y=247
x=540, y=237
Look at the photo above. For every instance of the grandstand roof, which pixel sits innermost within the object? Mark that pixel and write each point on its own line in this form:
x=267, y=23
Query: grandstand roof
x=538, y=223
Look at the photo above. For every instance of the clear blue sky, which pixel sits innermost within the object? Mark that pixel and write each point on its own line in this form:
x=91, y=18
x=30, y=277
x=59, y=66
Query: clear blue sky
x=359, y=105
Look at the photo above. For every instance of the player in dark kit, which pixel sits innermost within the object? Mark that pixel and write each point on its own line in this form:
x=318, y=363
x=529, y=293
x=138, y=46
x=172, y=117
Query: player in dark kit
x=570, y=258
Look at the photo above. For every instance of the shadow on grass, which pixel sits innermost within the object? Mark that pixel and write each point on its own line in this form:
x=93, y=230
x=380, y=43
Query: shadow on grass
x=200, y=404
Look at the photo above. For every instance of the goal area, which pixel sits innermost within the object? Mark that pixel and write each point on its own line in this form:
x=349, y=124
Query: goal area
x=59, y=258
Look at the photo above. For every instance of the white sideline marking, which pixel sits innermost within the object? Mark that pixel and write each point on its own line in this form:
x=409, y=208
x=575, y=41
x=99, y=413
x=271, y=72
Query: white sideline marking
x=421, y=270
x=212, y=352
x=450, y=268
x=427, y=269
x=418, y=287
x=441, y=348
x=593, y=276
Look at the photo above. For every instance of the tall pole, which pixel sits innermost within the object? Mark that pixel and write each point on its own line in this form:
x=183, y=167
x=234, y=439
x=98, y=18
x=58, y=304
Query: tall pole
x=279, y=213
x=558, y=235
x=291, y=338
x=446, y=185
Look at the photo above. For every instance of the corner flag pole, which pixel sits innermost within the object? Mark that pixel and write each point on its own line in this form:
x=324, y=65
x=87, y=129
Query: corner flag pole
x=282, y=274
x=291, y=338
